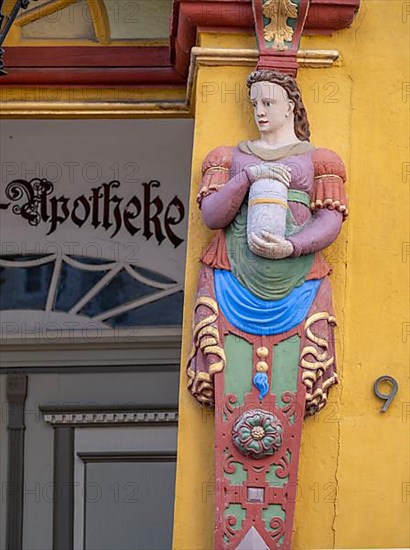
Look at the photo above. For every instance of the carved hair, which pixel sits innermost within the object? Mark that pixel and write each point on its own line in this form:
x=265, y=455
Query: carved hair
x=302, y=129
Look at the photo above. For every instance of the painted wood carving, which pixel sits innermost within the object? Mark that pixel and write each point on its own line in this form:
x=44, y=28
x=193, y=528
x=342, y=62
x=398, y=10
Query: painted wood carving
x=263, y=352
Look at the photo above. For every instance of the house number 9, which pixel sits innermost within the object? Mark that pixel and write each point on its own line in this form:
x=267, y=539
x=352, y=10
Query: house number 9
x=387, y=397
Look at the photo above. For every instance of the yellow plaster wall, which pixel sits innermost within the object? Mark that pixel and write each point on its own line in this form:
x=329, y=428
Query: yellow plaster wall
x=354, y=482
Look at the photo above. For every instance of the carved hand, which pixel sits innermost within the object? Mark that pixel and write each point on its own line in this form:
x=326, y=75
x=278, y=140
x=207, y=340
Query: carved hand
x=273, y=170
x=269, y=246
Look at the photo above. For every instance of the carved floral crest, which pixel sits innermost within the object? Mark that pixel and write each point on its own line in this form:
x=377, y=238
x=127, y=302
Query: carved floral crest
x=278, y=31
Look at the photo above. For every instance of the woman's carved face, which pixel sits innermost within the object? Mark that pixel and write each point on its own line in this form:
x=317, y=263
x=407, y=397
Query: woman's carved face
x=273, y=109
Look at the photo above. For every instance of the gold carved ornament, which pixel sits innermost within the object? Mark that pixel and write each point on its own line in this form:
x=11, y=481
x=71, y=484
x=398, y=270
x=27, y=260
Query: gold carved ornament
x=323, y=360
x=206, y=339
x=278, y=31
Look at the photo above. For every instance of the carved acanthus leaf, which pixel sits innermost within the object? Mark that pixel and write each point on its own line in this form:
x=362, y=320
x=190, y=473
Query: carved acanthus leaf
x=278, y=31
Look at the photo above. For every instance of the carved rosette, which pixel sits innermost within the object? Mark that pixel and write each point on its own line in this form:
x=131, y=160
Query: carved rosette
x=257, y=433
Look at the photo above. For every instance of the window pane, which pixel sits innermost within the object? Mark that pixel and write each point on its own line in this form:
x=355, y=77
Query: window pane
x=164, y=312
x=24, y=288
x=129, y=506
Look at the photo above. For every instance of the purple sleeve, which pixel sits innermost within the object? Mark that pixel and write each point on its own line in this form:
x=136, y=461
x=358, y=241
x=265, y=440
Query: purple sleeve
x=221, y=207
x=319, y=232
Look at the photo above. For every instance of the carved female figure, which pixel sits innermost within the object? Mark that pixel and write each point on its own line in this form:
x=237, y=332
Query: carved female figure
x=263, y=321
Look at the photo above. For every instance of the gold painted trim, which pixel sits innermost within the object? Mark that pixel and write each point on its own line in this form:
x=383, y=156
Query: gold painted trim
x=200, y=57
x=101, y=22
x=31, y=109
x=248, y=56
x=328, y=176
x=253, y=202
x=216, y=169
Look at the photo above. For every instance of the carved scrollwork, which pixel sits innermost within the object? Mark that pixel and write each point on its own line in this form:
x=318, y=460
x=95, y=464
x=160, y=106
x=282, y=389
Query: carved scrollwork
x=283, y=469
x=229, y=527
x=277, y=524
x=229, y=464
x=289, y=398
x=229, y=404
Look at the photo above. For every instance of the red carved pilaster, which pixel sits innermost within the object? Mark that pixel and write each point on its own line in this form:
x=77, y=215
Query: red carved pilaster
x=271, y=56
x=256, y=494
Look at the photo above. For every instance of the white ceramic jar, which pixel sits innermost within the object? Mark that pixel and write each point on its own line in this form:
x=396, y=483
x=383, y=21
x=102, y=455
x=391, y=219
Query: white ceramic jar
x=267, y=206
